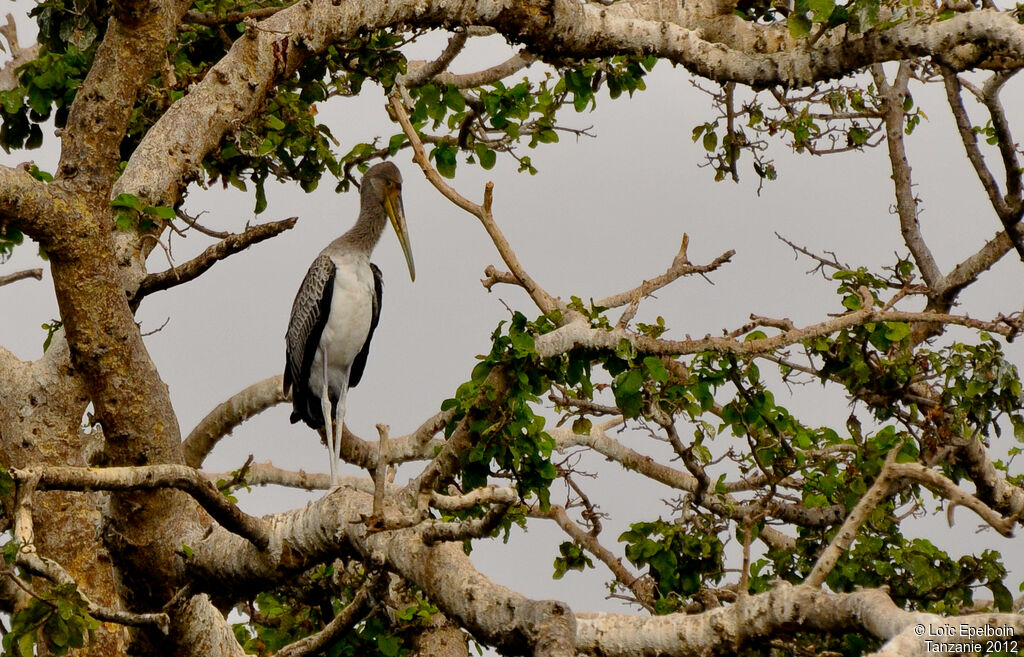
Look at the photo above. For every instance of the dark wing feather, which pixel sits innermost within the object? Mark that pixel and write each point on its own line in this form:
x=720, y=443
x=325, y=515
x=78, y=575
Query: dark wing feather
x=360, y=362
x=310, y=311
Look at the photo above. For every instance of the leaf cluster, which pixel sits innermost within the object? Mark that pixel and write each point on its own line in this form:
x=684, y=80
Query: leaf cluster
x=508, y=436
x=60, y=615
x=681, y=561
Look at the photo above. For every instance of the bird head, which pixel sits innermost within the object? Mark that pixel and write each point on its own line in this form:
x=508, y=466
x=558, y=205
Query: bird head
x=385, y=184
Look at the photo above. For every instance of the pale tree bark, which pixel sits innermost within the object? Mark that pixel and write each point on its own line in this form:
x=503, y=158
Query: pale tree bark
x=134, y=531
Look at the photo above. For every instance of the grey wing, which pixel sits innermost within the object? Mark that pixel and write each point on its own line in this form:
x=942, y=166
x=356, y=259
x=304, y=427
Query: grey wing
x=310, y=311
x=359, y=364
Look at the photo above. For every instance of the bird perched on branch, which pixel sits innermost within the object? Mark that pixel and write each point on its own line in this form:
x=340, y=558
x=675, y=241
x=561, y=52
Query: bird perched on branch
x=336, y=311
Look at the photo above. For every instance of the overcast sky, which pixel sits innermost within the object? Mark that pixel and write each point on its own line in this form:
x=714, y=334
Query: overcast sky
x=602, y=215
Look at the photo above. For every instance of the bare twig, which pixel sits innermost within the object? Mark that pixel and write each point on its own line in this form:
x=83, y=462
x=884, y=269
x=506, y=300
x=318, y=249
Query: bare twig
x=419, y=75
x=515, y=63
x=906, y=204
x=264, y=474
x=642, y=587
x=194, y=223
x=544, y=301
x=495, y=276
x=201, y=263
x=680, y=266
x=380, y=471
x=821, y=260
x=36, y=273
x=970, y=142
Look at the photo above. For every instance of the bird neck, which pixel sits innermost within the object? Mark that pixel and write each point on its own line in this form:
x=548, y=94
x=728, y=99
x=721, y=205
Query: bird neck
x=365, y=234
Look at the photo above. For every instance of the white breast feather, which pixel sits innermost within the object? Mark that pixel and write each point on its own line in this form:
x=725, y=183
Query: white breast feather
x=349, y=321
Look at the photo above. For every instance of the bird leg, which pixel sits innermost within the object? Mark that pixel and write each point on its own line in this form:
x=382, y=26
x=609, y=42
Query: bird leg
x=339, y=426
x=325, y=408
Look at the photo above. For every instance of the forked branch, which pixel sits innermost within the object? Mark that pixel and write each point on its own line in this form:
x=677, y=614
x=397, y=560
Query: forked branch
x=208, y=258
x=148, y=478
x=544, y=301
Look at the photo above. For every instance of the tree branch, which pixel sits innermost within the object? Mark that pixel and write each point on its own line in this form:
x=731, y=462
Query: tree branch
x=945, y=488
x=28, y=558
x=641, y=586
x=580, y=335
x=133, y=46
x=333, y=527
x=436, y=531
x=906, y=204
x=544, y=301
x=201, y=629
x=36, y=273
x=598, y=440
x=1004, y=137
x=27, y=204
x=338, y=626
x=149, y=478
x=19, y=55
x=222, y=420
x=554, y=29
x=208, y=258
x=212, y=19
x=680, y=267
x=844, y=537
x=1008, y=216
x=992, y=489
x=426, y=71
x=756, y=617
x=510, y=66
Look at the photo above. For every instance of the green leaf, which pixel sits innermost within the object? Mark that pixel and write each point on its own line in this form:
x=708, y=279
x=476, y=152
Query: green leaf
x=754, y=335
x=274, y=123
x=26, y=642
x=1018, y=428
x=799, y=25
x=1001, y=596
x=444, y=157
x=822, y=9
x=6, y=483
x=11, y=549
x=396, y=142
x=162, y=211
x=547, y=136
x=858, y=136
x=582, y=426
x=897, y=331
x=453, y=99
x=655, y=369
x=710, y=140
x=388, y=645
x=485, y=155
x=129, y=201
